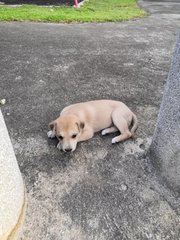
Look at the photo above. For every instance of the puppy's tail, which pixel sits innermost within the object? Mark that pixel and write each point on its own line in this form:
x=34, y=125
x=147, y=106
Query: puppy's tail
x=134, y=124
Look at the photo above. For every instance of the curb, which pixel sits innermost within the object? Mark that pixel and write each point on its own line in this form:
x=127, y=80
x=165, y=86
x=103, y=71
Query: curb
x=12, y=189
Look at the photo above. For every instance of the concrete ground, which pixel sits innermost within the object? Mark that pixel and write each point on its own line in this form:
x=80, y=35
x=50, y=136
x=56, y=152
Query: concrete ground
x=99, y=192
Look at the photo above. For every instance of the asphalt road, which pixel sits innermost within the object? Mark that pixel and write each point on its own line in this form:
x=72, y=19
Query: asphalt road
x=100, y=191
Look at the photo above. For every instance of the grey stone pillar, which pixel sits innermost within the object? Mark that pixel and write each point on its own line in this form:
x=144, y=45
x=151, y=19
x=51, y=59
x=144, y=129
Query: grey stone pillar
x=165, y=148
x=12, y=190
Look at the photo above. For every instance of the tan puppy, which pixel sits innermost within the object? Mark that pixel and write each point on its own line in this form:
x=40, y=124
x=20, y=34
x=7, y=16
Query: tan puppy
x=79, y=122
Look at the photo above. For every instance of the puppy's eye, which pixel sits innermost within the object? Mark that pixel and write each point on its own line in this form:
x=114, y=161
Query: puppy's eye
x=74, y=135
x=60, y=137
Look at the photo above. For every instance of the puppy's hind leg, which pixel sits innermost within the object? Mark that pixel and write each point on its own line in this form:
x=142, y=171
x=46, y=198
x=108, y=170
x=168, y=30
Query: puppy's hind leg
x=109, y=130
x=122, y=125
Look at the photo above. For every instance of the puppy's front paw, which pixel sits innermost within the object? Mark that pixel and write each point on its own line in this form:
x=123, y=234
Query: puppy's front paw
x=59, y=146
x=50, y=134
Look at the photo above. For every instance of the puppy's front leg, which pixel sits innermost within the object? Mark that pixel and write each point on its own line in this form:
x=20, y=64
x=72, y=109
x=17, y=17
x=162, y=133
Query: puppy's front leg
x=59, y=146
x=51, y=134
x=86, y=134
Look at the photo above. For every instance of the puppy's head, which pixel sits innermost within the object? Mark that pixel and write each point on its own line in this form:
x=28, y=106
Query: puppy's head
x=67, y=130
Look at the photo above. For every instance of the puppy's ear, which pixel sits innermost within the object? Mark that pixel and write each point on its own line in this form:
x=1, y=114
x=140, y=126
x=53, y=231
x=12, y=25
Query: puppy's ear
x=81, y=125
x=52, y=125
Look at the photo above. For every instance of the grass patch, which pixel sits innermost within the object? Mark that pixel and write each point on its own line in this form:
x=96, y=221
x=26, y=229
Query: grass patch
x=91, y=11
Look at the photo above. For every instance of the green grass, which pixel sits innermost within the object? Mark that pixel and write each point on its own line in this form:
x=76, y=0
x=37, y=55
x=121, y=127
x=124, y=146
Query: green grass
x=91, y=11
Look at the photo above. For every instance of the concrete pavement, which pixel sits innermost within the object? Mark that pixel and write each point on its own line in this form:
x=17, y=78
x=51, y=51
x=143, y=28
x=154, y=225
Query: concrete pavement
x=100, y=191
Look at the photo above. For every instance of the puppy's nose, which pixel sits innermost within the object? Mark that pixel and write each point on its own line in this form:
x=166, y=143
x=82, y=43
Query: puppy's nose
x=68, y=149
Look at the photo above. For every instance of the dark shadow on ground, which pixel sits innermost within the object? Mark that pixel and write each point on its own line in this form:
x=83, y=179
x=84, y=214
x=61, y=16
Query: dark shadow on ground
x=40, y=2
